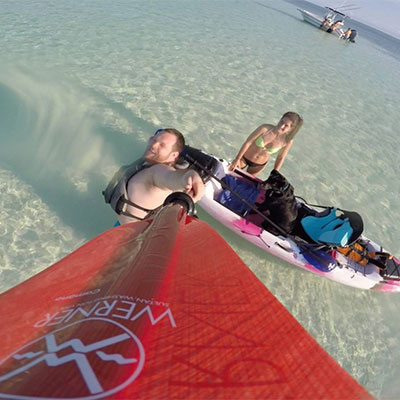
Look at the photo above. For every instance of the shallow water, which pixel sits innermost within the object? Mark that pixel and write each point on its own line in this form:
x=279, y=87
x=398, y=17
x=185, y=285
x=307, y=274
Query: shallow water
x=82, y=87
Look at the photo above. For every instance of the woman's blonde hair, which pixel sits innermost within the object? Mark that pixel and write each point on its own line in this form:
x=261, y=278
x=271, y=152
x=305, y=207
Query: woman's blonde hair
x=297, y=124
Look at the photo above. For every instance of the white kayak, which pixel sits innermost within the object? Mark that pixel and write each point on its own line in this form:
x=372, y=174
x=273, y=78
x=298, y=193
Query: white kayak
x=322, y=260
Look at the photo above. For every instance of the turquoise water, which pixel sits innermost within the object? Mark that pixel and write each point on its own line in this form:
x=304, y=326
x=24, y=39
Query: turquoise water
x=82, y=87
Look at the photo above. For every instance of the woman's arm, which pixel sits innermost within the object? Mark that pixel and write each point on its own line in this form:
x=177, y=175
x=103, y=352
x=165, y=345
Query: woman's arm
x=282, y=156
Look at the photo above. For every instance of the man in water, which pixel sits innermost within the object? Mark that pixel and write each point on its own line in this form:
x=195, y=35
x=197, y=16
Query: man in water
x=144, y=185
x=346, y=34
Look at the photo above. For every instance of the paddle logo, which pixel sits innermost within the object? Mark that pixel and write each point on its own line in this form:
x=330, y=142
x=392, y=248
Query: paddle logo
x=87, y=359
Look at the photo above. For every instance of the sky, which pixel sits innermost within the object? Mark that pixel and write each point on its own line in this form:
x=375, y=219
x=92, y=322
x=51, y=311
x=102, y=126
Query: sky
x=381, y=14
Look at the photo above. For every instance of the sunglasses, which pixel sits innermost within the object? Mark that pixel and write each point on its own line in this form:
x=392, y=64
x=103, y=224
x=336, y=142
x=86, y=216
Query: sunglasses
x=158, y=131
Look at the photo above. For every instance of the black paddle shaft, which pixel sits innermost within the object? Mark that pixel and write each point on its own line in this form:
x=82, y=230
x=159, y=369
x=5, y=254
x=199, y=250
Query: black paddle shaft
x=225, y=186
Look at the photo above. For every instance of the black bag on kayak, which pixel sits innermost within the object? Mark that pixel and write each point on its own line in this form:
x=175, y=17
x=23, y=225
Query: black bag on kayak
x=279, y=204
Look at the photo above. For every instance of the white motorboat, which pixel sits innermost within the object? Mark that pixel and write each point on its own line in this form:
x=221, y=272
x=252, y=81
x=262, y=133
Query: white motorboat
x=331, y=17
x=311, y=18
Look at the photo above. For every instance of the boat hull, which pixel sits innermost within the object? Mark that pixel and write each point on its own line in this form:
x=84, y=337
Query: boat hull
x=316, y=21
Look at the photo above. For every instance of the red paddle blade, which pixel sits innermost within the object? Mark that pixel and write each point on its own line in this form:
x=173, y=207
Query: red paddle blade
x=158, y=310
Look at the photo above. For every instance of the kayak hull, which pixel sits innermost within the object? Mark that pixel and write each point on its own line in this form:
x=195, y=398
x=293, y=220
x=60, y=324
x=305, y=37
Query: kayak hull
x=342, y=270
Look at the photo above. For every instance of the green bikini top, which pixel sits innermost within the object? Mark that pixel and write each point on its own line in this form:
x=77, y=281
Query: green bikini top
x=259, y=142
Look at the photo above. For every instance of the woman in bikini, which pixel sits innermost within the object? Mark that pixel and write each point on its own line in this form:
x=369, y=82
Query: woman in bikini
x=265, y=141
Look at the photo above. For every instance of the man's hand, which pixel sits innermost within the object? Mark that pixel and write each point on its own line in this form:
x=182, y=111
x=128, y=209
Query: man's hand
x=193, y=185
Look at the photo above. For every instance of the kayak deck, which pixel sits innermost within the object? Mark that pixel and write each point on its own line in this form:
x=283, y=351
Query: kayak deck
x=344, y=270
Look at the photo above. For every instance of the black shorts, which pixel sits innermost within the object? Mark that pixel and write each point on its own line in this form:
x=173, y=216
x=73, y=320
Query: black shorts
x=251, y=163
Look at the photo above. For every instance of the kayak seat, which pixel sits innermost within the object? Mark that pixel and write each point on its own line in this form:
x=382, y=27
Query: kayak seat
x=204, y=164
x=333, y=226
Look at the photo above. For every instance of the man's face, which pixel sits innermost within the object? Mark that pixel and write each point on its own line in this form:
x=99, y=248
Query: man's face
x=160, y=149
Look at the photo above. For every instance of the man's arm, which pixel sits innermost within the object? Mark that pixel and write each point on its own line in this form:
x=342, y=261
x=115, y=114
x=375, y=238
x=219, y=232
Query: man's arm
x=189, y=181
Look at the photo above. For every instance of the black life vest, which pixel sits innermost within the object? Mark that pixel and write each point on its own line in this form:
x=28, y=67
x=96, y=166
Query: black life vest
x=116, y=194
